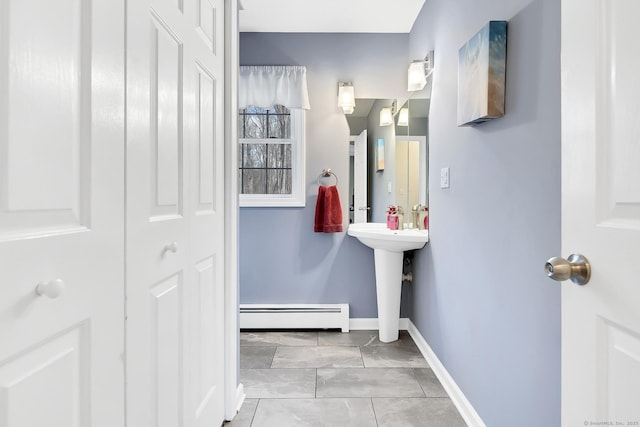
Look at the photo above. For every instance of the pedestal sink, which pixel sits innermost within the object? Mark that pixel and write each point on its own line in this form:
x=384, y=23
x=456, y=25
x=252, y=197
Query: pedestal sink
x=388, y=247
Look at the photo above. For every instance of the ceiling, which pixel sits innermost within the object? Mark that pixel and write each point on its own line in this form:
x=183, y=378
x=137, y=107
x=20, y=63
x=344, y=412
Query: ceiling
x=328, y=16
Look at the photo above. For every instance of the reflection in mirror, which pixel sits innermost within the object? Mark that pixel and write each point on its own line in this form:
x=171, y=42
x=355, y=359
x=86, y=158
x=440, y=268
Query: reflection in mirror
x=403, y=181
x=412, y=154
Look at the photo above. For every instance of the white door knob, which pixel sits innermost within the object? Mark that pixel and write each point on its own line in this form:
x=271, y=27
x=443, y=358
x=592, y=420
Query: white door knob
x=171, y=247
x=52, y=288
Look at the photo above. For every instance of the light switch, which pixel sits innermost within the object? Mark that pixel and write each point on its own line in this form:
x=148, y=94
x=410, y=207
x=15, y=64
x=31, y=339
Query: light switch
x=444, y=178
x=389, y=187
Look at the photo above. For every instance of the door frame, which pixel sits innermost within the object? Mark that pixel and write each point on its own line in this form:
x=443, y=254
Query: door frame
x=354, y=139
x=233, y=390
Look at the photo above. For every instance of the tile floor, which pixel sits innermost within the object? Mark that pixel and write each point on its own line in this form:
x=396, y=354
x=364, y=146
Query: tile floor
x=334, y=379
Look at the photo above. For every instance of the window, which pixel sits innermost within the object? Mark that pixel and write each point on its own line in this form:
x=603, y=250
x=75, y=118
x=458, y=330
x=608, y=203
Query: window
x=271, y=156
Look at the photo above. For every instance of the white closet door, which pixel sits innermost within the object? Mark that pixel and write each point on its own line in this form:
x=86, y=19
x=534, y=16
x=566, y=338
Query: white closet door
x=61, y=213
x=175, y=262
x=205, y=335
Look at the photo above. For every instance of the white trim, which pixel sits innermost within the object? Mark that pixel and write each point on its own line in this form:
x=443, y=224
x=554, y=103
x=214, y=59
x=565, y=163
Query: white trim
x=469, y=414
x=371, y=324
x=239, y=401
x=298, y=197
x=301, y=316
x=233, y=391
x=240, y=397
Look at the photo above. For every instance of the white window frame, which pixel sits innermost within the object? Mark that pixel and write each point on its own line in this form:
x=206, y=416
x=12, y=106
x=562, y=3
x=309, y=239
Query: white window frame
x=297, y=198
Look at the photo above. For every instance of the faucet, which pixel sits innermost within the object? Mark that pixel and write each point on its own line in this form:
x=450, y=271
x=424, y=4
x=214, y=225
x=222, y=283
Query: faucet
x=415, y=211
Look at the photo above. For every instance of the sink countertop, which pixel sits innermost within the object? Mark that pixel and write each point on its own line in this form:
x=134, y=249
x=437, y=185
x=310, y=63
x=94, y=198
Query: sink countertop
x=376, y=235
x=373, y=229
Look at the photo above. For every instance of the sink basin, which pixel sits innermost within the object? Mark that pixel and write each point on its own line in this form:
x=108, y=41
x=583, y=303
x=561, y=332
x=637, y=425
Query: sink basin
x=376, y=235
x=388, y=247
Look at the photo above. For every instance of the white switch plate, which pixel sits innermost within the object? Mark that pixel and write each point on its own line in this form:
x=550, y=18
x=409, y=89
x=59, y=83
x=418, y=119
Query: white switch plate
x=389, y=187
x=444, y=178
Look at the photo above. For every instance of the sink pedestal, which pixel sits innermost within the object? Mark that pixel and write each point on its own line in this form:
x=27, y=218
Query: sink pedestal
x=388, y=247
x=388, y=267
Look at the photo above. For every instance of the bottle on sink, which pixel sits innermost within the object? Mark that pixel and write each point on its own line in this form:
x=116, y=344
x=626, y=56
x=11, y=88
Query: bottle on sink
x=400, y=217
x=392, y=217
x=423, y=218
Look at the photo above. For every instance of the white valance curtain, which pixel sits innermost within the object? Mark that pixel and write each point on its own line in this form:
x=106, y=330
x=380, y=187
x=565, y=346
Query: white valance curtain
x=267, y=85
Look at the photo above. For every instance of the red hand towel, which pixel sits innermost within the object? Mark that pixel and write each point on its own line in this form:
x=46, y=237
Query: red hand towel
x=328, y=211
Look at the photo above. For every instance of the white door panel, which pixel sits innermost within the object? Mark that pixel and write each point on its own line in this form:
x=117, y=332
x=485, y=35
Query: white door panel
x=50, y=375
x=206, y=365
x=601, y=210
x=62, y=212
x=175, y=154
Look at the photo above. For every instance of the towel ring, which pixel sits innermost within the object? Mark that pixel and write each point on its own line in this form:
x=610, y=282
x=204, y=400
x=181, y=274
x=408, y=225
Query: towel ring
x=326, y=173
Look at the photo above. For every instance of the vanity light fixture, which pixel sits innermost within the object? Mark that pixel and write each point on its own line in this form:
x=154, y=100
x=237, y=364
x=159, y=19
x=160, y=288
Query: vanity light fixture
x=346, y=97
x=418, y=73
x=387, y=113
x=403, y=117
x=386, y=116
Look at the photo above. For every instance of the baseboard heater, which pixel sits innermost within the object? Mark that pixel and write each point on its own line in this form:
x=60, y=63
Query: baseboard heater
x=294, y=316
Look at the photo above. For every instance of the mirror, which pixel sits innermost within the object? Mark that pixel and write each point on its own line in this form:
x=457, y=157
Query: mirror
x=401, y=177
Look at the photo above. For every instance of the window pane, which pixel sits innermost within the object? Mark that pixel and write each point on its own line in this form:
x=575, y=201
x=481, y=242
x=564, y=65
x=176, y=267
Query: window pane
x=253, y=181
x=255, y=126
x=279, y=156
x=279, y=126
x=273, y=122
x=279, y=181
x=279, y=109
x=253, y=155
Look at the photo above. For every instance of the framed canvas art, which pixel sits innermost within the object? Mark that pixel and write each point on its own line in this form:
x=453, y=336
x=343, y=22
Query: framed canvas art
x=380, y=155
x=481, y=75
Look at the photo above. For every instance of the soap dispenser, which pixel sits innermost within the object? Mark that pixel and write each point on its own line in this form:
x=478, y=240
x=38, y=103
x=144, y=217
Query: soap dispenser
x=423, y=218
x=392, y=218
x=400, y=216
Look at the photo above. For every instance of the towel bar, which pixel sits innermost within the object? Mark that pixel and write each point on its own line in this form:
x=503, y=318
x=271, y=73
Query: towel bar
x=326, y=173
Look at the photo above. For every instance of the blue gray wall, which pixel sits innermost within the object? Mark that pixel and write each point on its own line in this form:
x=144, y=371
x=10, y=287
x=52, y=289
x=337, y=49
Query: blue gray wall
x=479, y=296
x=281, y=259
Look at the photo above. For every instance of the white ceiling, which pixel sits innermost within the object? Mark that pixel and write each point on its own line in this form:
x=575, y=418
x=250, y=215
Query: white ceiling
x=329, y=16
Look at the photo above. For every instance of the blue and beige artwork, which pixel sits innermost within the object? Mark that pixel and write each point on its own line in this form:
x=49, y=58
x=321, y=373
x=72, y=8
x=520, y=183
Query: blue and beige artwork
x=380, y=155
x=481, y=75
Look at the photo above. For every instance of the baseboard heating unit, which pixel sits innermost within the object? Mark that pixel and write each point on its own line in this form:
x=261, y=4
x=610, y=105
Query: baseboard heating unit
x=294, y=316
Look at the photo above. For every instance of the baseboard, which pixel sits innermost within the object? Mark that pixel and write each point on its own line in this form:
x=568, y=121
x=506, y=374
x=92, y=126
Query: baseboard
x=371, y=324
x=469, y=414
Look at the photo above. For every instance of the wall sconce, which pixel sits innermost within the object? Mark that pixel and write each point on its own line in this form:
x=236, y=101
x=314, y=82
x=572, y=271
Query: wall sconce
x=386, y=116
x=403, y=117
x=346, y=97
x=418, y=73
x=387, y=113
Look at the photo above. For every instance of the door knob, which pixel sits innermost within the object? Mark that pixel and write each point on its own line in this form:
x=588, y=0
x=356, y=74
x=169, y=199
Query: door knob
x=52, y=288
x=576, y=268
x=171, y=247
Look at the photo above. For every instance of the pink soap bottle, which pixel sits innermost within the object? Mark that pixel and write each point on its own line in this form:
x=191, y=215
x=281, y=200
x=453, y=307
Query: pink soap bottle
x=393, y=222
x=426, y=218
x=392, y=218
